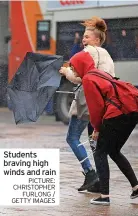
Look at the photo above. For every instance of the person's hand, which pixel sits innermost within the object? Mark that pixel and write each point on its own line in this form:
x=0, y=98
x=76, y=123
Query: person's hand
x=95, y=135
x=63, y=71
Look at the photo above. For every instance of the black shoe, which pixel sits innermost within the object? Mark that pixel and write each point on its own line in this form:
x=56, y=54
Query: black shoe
x=95, y=188
x=100, y=201
x=90, y=179
x=134, y=194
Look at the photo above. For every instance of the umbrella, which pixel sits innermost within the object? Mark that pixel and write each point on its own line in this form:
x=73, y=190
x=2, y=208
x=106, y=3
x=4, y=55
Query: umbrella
x=33, y=85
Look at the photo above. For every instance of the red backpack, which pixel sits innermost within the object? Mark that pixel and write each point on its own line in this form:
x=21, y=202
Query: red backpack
x=125, y=92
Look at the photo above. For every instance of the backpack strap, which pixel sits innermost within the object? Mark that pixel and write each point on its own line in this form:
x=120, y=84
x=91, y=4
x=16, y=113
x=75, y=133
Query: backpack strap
x=77, y=87
x=98, y=57
x=108, y=99
x=109, y=79
x=114, y=86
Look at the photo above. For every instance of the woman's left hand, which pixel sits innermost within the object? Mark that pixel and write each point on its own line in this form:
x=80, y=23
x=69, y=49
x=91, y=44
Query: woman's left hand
x=63, y=70
x=95, y=135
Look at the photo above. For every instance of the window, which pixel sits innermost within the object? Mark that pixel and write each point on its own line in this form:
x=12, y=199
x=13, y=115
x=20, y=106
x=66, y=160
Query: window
x=122, y=39
x=66, y=32
x=43, y=35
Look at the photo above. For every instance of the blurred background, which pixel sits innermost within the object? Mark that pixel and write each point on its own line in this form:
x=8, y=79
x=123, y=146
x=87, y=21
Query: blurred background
x=53, y=27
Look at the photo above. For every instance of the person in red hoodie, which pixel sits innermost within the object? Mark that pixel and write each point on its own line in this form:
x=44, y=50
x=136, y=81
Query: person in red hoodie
x=111, y=127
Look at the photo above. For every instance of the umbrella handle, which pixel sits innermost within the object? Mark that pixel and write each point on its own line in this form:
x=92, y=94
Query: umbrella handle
x=65, y=92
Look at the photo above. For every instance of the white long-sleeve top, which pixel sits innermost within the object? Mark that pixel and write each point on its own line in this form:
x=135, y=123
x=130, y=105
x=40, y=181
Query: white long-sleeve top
x=102, y=59
x=103, y=62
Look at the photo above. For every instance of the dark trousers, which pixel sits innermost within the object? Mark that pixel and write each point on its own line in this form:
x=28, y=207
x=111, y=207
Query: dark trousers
x=90, y=129
x=114, y=132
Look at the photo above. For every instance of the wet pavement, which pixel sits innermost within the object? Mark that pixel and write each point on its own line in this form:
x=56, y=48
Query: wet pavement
x=47, y=133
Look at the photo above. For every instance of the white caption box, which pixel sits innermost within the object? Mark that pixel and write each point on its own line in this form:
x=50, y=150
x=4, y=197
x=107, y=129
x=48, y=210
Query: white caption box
x=29, y=177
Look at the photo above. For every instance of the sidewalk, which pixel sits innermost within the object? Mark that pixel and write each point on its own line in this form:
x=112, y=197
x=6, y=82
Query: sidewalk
x=47, y=133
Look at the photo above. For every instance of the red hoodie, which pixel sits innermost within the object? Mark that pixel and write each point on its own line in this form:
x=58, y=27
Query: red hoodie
x=98, y=108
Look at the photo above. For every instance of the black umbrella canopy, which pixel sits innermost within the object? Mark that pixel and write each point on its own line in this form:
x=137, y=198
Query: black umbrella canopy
x=33, y=85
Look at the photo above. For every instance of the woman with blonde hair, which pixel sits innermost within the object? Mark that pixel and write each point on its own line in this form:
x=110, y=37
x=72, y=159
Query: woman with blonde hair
x=94, y=36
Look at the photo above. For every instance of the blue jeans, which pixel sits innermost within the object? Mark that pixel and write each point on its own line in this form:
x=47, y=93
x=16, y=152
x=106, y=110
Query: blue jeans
x=76, y=127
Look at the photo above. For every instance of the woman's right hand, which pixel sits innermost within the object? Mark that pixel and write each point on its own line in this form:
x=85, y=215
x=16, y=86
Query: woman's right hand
x=95, y=135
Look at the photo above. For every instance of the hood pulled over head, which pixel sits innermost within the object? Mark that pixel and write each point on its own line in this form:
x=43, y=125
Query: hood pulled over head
x=82, y=63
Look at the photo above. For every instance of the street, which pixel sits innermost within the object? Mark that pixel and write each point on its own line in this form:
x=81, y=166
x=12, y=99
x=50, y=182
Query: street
x=47, y=133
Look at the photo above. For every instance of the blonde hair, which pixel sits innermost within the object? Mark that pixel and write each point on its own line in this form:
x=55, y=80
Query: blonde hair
x=98, y=26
